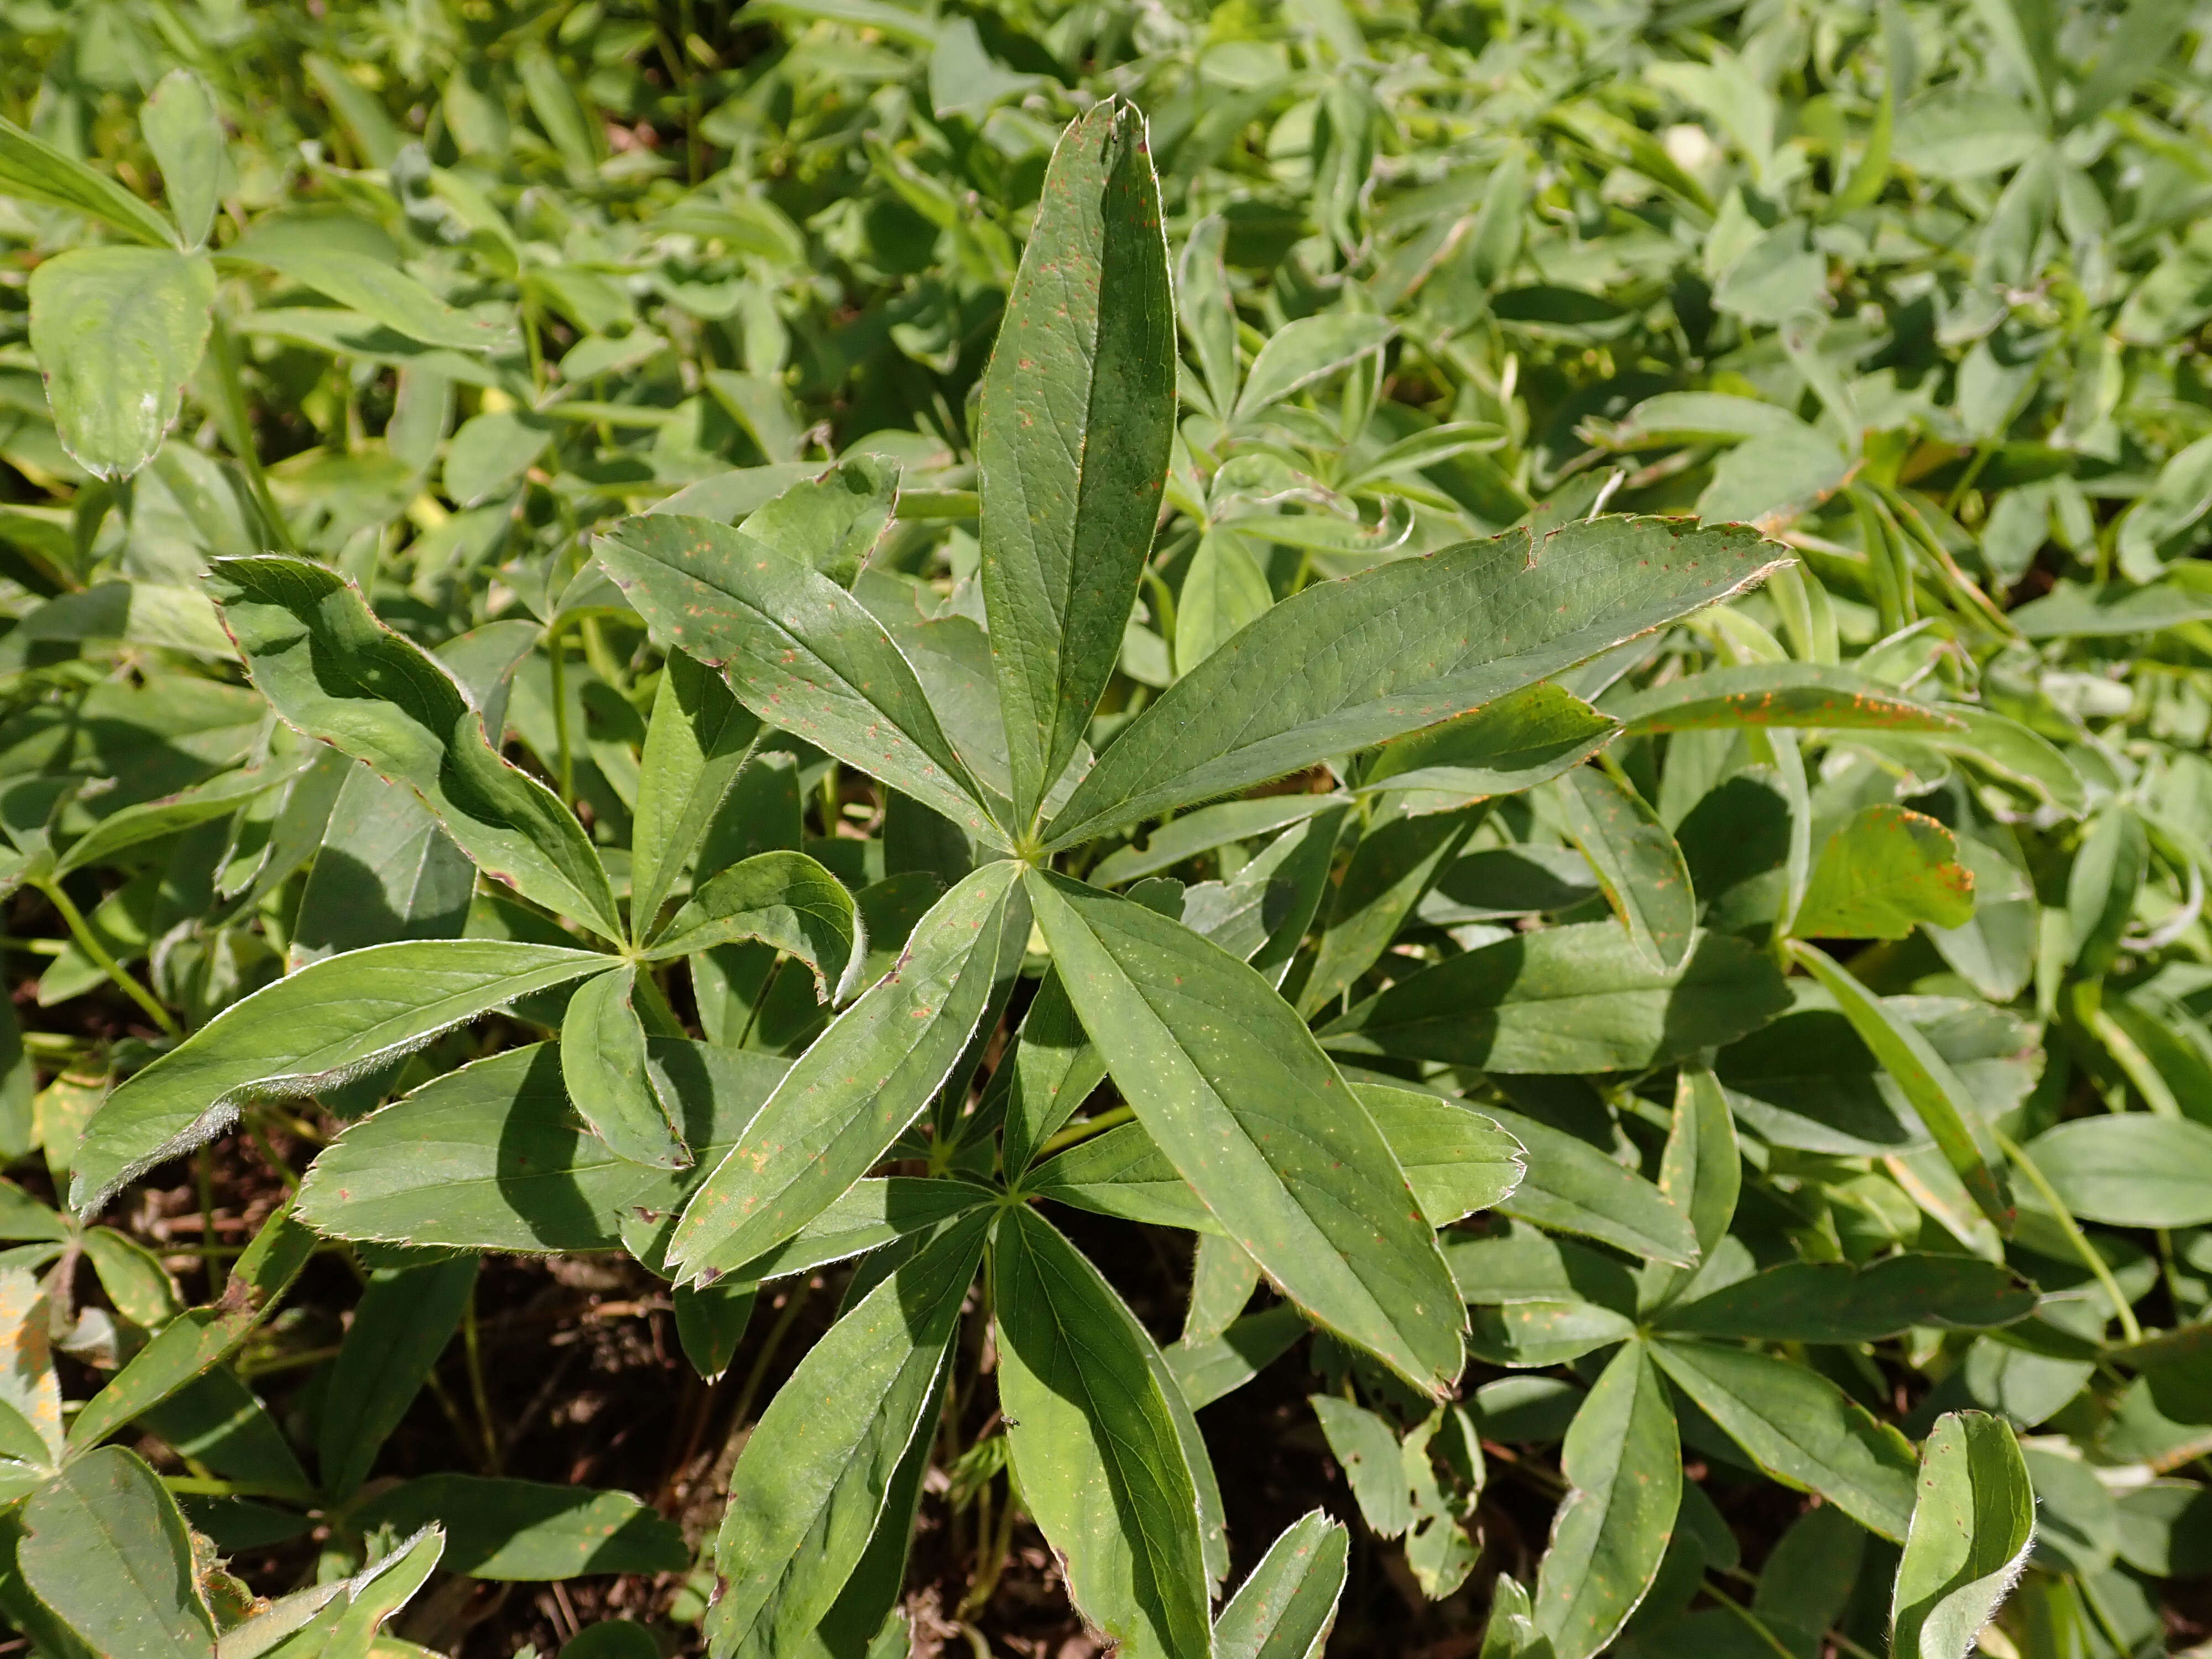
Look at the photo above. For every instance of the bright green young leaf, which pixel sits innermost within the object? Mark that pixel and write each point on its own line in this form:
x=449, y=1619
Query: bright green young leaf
x=1949, y=1113
x=1095, y=1444
x=333, y=670
x=849, y=1096
x=1636, y=860
x=1457, y=1159
x=784, y=899
x=33, y=170
x=406, y=1317
x=1622, y=1461
x=1973, y=1523
x=1078, y=412
x=1518, y=741
x=104, y=1548
x=333, y=1020
x=1347, y=665
x=799, y=651
x=1284, y=1609
x=118, y=330
x=1219, y=1068
x=818, y=1469
x=182, y=130
x=1309, y=349
x=1885, y=871
x=2134, y=1169
x=603, y=1064
x=372, y=287
x=833, y=522
x=1208, y=310
x=1801, y=1429
x=1225, y=589
x=1580, y=999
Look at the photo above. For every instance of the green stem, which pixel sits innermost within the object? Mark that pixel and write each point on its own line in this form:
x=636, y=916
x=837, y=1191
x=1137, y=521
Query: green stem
x=1758, y=1625
x=479, y=1396
x=88, y=942
x=2094, y=1262
x=1084, y=1131
x=193, y=1485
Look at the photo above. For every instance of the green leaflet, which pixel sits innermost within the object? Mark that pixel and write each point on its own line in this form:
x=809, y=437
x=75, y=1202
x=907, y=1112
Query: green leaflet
x=320, y=656
x=30, y=1393
x=529, y=1530
x=151, y=820
x=1309, y=349
x=372, y=287
x=401, y=1325
x=833, y=522
x=333, y=1020
x=1347, y=665
x=1949, y=1113
x=1514, y=743
x=1700, y=1172
x=1571, y=1187
x=1623, y=1465
x=1835, y=1302
x=1636, y=860
x=1078, y=411
x=1790, y=695
x=799, y=651
x=697, y=739
x=1883, y=872
x=1096, y=1446
x=603, y=1064
x=2134, y=1169
x=1052, y=1069
x=817, y=1470
x=1284, y=1609
x=118, y=330
x=1394, y=862
x=879, y=1065
x=1801, y=1429
x=1205, y=829
x=1366, y=1448
x=33, y=170
x=1579, y=998
x=784, y=899
x=104, y=1549
x=1973, y=1523
x=1218, y=1068
x=181, y=128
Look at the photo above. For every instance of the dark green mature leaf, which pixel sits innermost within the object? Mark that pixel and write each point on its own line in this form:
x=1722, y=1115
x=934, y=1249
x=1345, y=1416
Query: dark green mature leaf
x=1973, y=1523
x=406, y=1317
x=1623, y=1462
x=697, y=739
x=799, y=651
x=1801, y=1429
x=782, y=898
x=104, y=1548
x=1579, y=999
x=1207, y=828
x=529, y=1530
x=1053, y=1069
x=1637, y=862
x=1885, y=871
x=118, y=330
x=1571, y=1187
x=32, y=170
x=1347, y=665
x=1395, y=861
x=1284, y=1609
x=2131, y=1170
x=1457, y=1159
x=1233, y=1088
x=1078, y=412
x=1789, y=695
x=839, y=1107
x=1095, y=1444
x=333, y=1020
x=318, y=653
x=1700, y=1172
x=818, y=1468
x=1836, y=1301
x=603, y=1064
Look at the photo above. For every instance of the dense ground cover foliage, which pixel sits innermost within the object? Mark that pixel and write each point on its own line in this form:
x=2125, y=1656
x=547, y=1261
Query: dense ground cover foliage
x=1031, y=828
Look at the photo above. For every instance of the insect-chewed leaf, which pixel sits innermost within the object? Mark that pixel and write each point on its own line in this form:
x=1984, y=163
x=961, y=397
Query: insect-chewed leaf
x=1836, y=1301
x=1787, y=695
x=529, y=1530
x=1885, y=871
x=2133, y=1169
x=784, y=899
x=603, y=1064
x=798, y=650
x=102, y=1545
x=1347, y=665
x=1578, y=998
x=333, y=1020
x=1515, y=743
x=1801, y=1429
x=832, y=522
x=117, y=331
x=1622, y=1461
x=1078, y=414
x=1973, y=1523
x=866, y=1078
x=816, y=1473
x=1637, y=862
x=1285, y=1608
x=697, y=740
x=331, y=668
x=1095, y=1444
x=1234, y=1088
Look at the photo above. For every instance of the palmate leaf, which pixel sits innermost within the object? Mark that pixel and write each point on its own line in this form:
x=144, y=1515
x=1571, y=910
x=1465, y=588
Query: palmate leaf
x=1231, y=1086
x=1078, y=413
x=333, y=1020
x=1347, y=665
